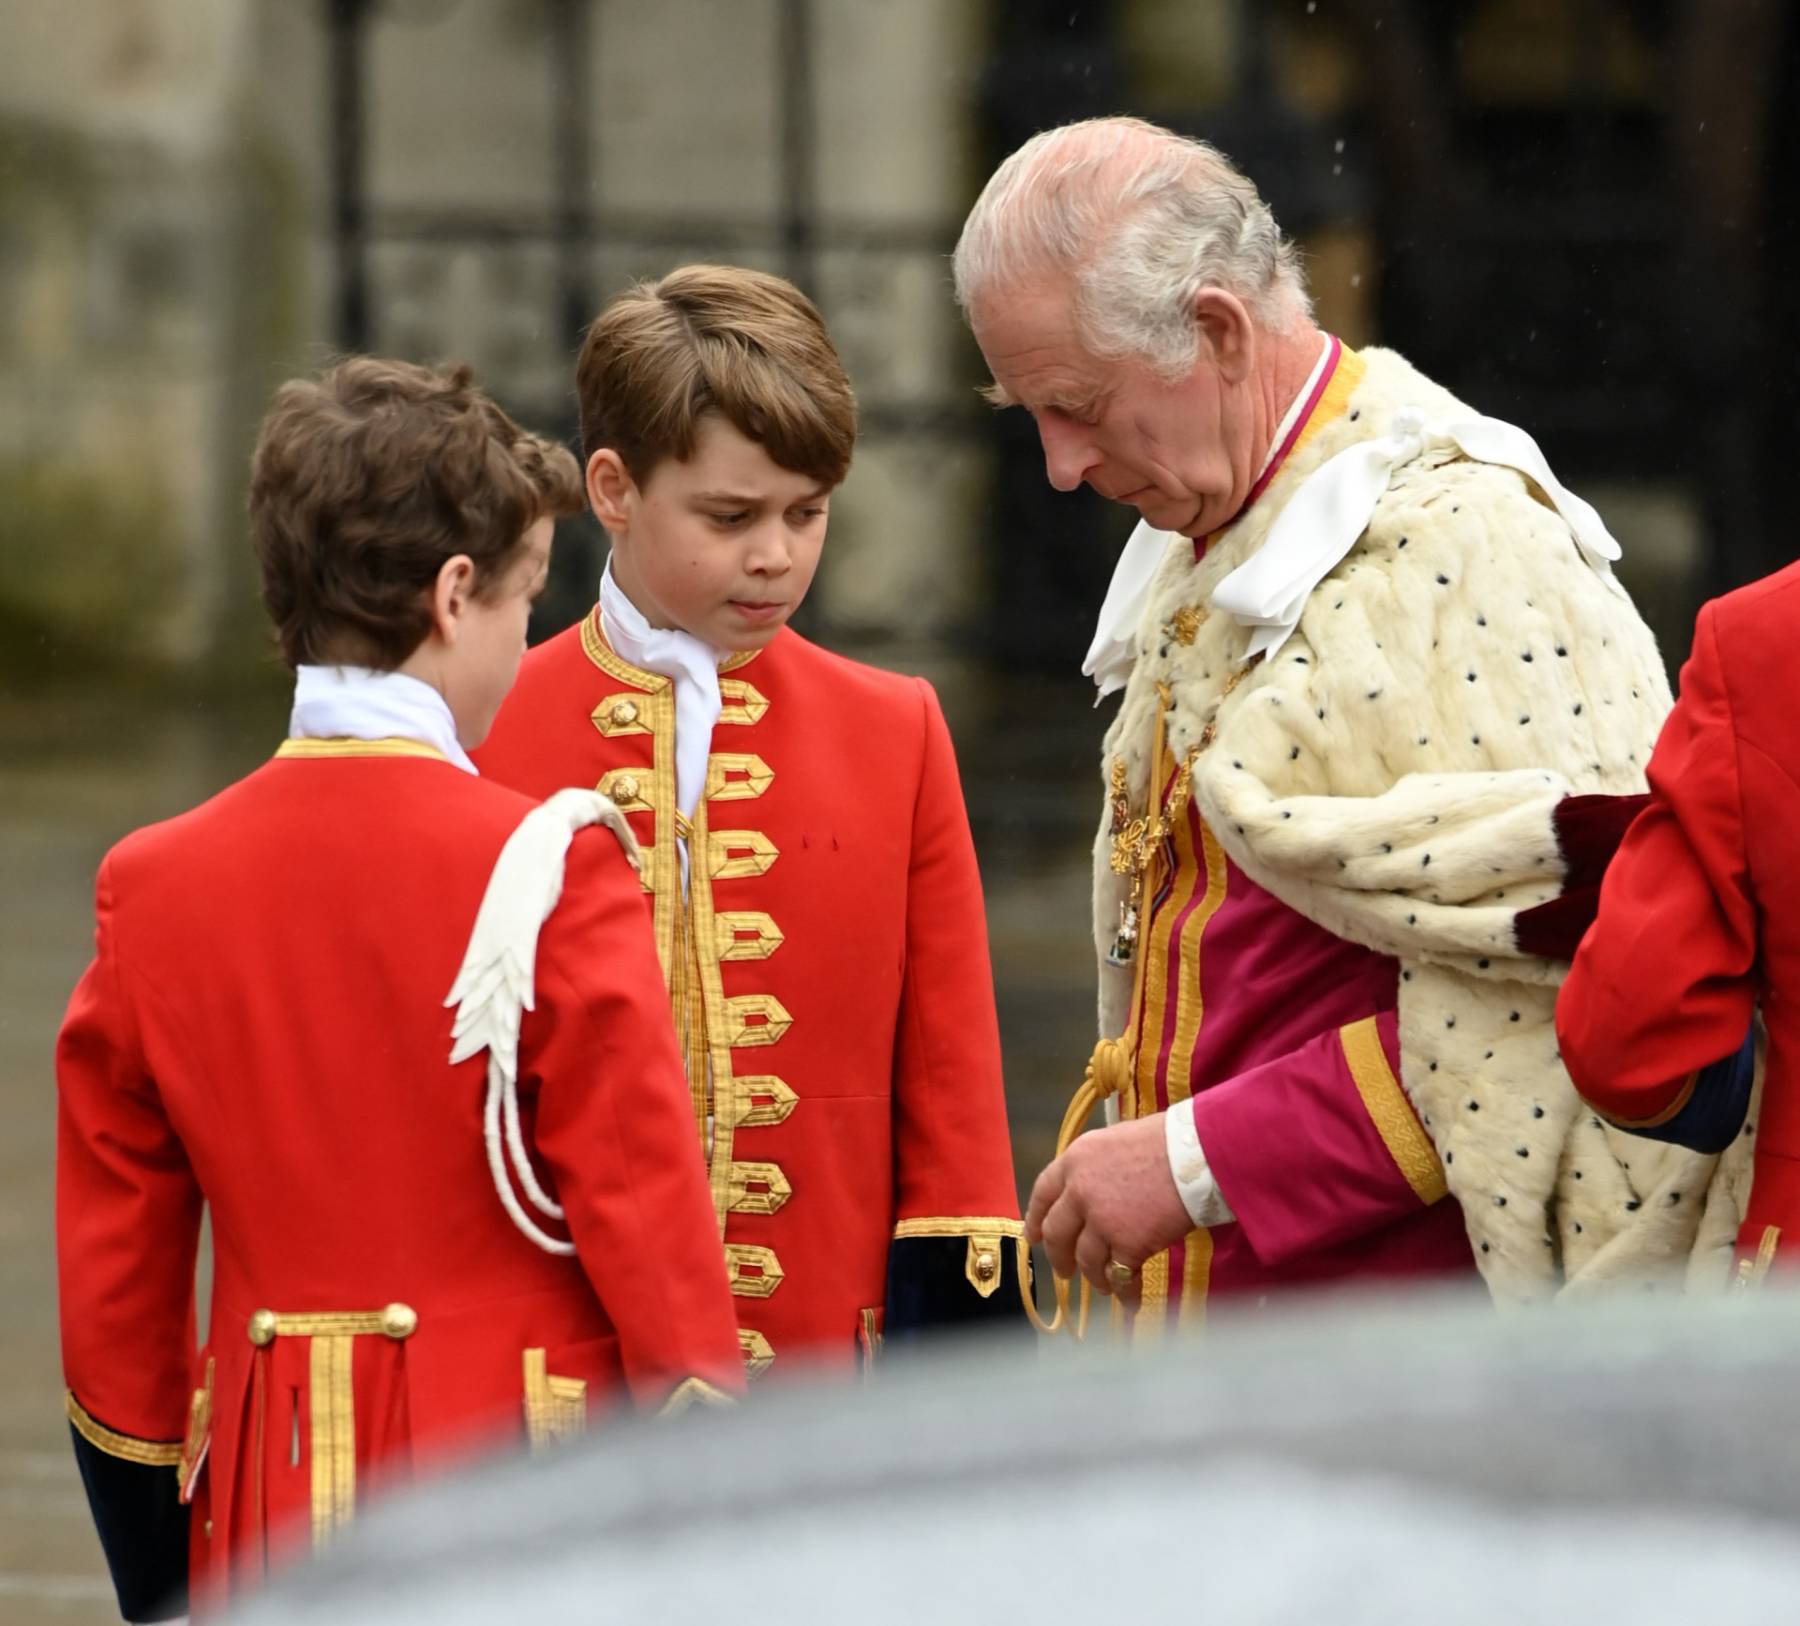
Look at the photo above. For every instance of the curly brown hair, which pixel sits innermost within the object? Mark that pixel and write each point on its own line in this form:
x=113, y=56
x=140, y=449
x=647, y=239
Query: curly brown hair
x=715, y=338
x=365, y=480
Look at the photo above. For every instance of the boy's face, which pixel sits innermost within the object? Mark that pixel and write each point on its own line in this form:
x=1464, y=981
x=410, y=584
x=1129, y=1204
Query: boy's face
x=723, y=545
x=490, y=638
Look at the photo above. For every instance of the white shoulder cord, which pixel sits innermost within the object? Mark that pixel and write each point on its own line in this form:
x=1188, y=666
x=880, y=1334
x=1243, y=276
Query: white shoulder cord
x=497, y=982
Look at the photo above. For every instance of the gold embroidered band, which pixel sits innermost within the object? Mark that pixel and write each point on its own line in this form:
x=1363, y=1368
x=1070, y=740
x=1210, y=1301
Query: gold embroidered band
x=359, y=748
x=1407, y=1143
x=151, y=1453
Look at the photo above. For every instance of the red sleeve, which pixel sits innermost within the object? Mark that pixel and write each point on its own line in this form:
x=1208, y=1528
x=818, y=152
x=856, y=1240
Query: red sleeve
x=127, y=1214
x=1662, y=983
x=1320, y=1145
x=952, y=1151
x=615, y=1125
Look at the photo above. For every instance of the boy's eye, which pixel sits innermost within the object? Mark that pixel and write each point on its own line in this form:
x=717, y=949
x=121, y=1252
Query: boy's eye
x=736, y=518
x=810, y=513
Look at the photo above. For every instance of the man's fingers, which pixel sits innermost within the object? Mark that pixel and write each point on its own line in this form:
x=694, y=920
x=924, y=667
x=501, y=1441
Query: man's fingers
x=1058, y=1232
x=1044, y=1192
x=1093, y=1255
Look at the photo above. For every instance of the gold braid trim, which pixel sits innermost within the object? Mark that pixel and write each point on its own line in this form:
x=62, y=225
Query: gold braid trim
x=1408, y=1144
x=959, y=1227
x=127, y=1447
x=392, y=747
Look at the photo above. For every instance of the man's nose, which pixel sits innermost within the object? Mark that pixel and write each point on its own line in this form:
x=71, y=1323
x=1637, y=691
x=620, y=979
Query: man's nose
x=1068, y=453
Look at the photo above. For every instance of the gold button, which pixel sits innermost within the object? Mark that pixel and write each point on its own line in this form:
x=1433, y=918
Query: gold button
x=262, y=1328
x=986, y=1266
x=624, y=712
x=625, y=788
x=399, y=1321
x=207, y=1527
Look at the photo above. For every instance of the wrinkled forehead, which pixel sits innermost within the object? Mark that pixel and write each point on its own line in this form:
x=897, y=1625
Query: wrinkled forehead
x=1029, y=339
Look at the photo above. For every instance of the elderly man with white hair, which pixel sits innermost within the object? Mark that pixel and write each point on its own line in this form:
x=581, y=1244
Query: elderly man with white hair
x=1385, y=709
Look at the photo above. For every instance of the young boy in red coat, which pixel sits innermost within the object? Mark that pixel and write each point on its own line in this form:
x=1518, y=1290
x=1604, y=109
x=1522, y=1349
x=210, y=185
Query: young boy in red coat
x=1697, y=927
x=808, y=861
x=264, y=1030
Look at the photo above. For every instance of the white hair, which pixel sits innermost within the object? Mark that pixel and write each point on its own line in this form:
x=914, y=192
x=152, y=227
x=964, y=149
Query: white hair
x=1140, y=219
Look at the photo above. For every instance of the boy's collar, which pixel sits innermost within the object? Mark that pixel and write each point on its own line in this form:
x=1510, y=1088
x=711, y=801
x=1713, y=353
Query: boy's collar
x=361, y=703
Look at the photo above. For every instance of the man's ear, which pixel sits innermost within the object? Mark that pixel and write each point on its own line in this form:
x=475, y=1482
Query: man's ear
x=450, y=595
x=1225, y=325
x=610, y=489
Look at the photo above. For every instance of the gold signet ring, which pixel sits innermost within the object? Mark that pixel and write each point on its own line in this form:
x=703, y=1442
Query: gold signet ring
x=1119, y=1274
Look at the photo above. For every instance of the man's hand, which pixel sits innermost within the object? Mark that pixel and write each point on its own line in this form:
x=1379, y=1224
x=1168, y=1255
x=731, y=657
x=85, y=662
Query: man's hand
x=1110, y=1196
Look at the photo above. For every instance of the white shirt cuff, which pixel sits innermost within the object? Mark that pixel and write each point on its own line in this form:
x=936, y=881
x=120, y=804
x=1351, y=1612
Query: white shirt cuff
x=1200, y=1193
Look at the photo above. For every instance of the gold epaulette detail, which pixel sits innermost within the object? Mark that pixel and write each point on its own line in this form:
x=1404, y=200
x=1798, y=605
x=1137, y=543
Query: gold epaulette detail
x=743, y=702
x=735, y=853
x=758, y=1352
x=733, y=776
x=755, y=1272
x=358, y=748
x=758, y=1188
x=127, y=1447
x=555, y=1407
x=762, y=1100
x=746, y=934
x=693, y=1392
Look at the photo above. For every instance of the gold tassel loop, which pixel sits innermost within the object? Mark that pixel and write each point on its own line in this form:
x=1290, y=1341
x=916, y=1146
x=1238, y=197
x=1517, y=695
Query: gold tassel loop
x=1109, y=1073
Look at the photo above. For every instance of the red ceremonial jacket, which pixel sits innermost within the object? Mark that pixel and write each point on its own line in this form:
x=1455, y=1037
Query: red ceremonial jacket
x=1699, y=921
x=263, y=1030
x=829, y=975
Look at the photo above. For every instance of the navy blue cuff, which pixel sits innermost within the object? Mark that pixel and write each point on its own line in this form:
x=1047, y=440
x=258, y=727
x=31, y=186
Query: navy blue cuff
x=1715, y=1111
x=928, y=1290
x=143, y=1527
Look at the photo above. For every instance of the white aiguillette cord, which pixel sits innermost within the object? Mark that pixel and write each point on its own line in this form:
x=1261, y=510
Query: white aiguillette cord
x=1321, y=522
x=498, y=980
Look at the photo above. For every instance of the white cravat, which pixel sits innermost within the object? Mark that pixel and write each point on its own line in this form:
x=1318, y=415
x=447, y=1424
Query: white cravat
x=359, y=703
x=694, y=667
x=1320, y=523
x=1113, y=652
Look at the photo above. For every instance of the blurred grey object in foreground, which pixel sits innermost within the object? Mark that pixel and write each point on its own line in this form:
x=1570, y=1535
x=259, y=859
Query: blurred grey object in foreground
x=1413, y=1462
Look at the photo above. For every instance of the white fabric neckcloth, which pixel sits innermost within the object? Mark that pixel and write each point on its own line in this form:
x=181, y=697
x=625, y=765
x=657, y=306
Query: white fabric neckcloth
x=360, y=703
x=1332, y=508
x=1113, y=652
x=680, y=656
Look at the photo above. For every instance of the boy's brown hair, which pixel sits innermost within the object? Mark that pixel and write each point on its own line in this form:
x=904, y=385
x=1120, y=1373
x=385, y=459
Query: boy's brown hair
x=365, y=480
x=715, y=338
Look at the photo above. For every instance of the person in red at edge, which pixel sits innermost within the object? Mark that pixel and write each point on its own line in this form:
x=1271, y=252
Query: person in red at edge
x=264, y=1031
x=1696, y=928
